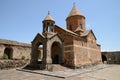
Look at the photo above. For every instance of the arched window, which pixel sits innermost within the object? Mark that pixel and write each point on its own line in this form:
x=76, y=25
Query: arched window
x=39, y=53
x=9, y=52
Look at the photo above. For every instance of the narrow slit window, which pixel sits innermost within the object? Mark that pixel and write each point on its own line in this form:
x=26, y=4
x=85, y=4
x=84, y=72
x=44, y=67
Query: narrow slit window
x=80, y=26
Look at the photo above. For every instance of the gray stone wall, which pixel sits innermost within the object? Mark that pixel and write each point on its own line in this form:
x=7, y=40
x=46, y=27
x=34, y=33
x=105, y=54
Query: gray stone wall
x=112, y=57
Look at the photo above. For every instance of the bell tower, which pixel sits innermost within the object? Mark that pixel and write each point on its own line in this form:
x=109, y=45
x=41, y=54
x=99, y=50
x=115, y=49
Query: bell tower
x=75, y=20
x=48, y=24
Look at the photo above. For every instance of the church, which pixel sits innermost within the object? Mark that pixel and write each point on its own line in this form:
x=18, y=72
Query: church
x=72, y=47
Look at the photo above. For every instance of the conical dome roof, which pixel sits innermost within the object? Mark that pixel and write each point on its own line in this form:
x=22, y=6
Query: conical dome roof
x=75, y=11
x=48, y=17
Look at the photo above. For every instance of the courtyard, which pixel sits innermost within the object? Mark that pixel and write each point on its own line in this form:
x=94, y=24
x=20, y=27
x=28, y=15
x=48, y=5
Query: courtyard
x=100, y=72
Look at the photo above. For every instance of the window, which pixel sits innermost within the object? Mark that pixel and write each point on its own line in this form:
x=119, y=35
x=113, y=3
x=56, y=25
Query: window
x=80, y=26
x=70, y=27
x=48, y=23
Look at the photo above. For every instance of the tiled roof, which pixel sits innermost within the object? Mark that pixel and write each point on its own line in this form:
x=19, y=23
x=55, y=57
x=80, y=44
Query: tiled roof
x=48, y=17
x=75, y=11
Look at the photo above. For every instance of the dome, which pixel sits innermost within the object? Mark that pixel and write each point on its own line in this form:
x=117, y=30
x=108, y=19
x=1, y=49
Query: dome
x=48, y=17
x=75, y=11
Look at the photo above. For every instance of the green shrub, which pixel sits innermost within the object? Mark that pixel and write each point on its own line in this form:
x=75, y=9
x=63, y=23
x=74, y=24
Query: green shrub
x=5, y=56
x=23, y=57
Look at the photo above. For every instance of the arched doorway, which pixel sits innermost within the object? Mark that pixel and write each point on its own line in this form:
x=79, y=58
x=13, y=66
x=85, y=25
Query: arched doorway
x=38, y=52
x=9, y=52
x=56, y=53
x=104, y=59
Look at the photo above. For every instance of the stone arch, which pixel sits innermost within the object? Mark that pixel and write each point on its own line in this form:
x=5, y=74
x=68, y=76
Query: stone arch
x=37, y=52
x=37, y=55
x=40, y=53
x=56, y=39
x=104, y=59
x=56, y=53
x=9, y=52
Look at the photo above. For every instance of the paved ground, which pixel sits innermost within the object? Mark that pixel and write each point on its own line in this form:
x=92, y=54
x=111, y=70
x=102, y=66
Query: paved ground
x=65, y=73
x=107, y=73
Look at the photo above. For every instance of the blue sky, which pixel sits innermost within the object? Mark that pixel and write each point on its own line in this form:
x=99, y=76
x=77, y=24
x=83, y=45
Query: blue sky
x=21, y=20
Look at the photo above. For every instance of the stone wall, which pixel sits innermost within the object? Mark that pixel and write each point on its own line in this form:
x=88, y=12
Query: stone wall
x=85, y=55
x=9, y=64
x=2, y=47
x=15, y=49
x=111, y=57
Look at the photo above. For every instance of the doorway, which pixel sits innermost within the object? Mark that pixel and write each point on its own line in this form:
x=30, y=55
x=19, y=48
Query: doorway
x=9, y=52
x=56, y=53
x=55, y=59
x=104, y=59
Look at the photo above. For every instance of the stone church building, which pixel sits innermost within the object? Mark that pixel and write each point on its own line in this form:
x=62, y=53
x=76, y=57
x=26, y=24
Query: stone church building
x=72, y=47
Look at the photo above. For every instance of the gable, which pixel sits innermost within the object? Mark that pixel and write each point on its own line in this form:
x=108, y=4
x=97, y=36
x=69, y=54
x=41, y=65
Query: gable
x=57, y=36
x=91, y=36
x=65, y=32
x=38, y=38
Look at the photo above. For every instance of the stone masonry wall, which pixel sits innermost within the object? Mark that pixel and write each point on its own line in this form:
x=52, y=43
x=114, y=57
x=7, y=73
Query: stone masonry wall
x=17, y=49
x=112, y=57
x=2, y=47
x=84, y=54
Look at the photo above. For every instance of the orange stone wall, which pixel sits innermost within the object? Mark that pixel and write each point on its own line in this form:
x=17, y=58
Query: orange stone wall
x=86, y=53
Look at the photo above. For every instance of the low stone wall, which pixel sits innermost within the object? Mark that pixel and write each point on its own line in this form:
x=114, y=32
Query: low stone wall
x=9, y=64
x=112, y=57
x=14, y=49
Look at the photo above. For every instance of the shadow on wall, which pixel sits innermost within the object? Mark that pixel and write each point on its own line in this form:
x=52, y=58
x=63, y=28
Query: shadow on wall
x=104, y=59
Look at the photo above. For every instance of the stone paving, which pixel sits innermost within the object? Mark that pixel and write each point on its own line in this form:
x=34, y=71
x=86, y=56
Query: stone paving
x=66, y=73
x=108, y=72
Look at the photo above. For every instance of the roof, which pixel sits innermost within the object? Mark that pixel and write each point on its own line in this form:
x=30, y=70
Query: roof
x=11, y=42
x=87, y=32
x=69, y=31
x=42, y=37
x=50, y=34
x=75, y=11
x=48, y=17
x=78, y=29
x=46, y=35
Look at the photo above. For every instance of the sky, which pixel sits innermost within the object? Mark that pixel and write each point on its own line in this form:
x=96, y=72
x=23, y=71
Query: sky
x=21, y=20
